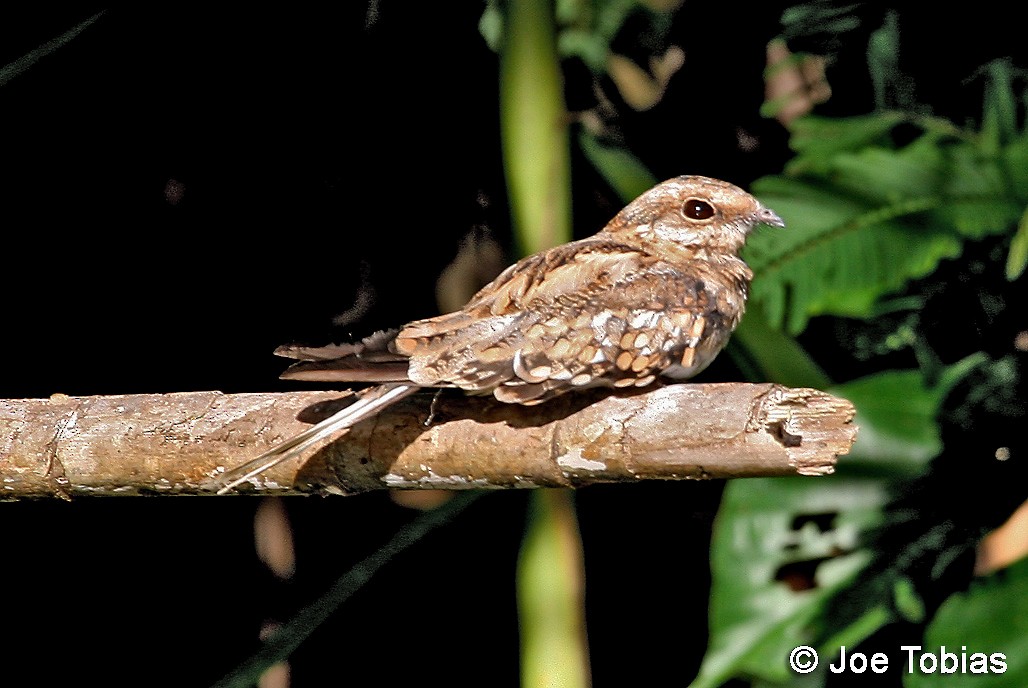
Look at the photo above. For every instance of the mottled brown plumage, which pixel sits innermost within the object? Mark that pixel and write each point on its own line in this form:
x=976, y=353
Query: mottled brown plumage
x=657, y=292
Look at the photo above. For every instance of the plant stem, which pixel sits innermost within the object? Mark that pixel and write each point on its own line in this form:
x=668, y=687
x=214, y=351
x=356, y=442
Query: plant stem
x=534, y=128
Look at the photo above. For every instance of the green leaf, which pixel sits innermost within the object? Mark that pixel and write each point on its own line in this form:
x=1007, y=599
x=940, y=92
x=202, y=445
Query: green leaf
x=816, y=17
x=1014, y=159
x=23, y=63
x=864, y=218
x=896, y=414
x=817, y=140
x=885, y=175
x=990, y=618
x=490, y=25
x=839, y=254
x=977, y=201
x=978, y=218
x=592, y=49
x=773, y=537
x=601, y=21
x=907, y=602
x=1017, y=258
x=896, y=417
x=784, y=548
x=999, y=116
x=892, y=87
x=622, y=170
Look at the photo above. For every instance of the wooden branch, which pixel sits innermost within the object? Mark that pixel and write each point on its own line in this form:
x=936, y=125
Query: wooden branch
x=175, y=443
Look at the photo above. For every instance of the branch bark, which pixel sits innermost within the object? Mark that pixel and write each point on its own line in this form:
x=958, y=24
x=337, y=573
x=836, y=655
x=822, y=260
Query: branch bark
x=176, y=443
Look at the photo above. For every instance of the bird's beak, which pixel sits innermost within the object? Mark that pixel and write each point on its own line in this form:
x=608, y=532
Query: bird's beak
x=769, y=217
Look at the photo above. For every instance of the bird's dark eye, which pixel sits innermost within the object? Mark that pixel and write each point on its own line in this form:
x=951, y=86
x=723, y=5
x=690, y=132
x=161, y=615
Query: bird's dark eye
x=695, y=209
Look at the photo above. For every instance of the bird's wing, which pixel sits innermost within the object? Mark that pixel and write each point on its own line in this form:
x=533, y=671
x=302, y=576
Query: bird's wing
x=586, y=313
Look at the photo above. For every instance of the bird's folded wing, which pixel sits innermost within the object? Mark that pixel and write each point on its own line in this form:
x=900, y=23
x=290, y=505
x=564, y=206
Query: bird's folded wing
x=598, y=313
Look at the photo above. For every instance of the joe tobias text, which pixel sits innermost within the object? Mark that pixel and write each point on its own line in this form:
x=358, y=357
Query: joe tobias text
x=917, y=659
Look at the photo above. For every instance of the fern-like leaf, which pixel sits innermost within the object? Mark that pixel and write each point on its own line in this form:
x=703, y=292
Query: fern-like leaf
x=864, y=221
x=839, y=254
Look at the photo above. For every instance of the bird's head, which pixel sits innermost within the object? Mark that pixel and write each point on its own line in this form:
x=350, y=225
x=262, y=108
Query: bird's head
x=696, y=213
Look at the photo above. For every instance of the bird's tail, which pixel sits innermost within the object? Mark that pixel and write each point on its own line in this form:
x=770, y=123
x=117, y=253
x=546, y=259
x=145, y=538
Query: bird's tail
x=370, y=403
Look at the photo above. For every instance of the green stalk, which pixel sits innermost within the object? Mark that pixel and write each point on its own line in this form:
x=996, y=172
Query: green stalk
x=551, y=595
x=534, y=128
x=537, y=160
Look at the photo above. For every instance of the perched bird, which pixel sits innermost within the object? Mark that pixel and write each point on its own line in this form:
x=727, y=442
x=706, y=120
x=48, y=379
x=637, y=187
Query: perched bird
x=657, y=292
